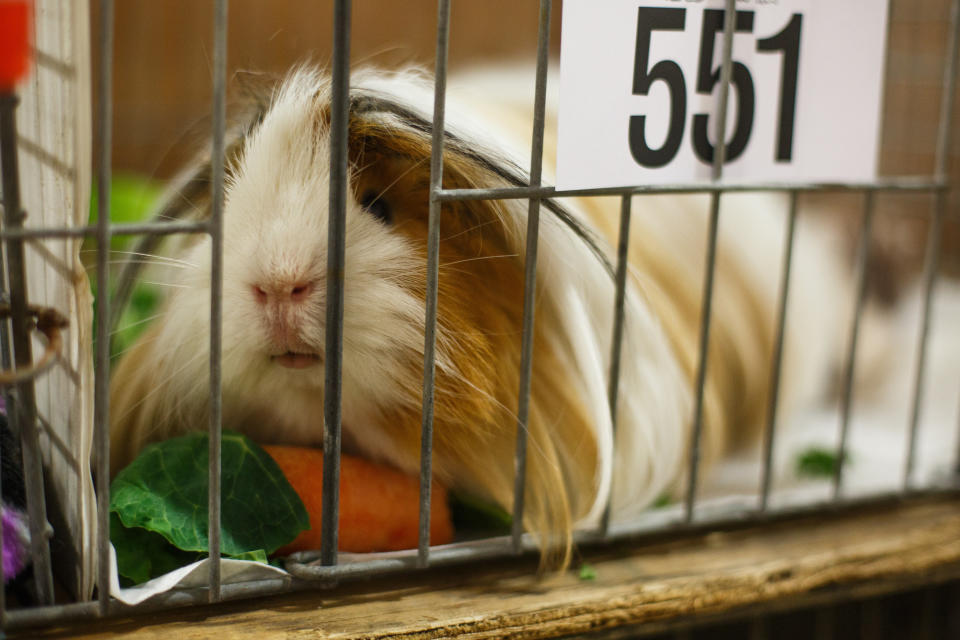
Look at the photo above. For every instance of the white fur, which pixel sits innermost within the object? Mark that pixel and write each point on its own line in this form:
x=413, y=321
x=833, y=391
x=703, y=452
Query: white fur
x=276, y=229
x=654, y=400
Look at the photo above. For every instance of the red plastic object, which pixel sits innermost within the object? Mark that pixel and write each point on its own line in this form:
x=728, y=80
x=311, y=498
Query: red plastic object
x=15, y=18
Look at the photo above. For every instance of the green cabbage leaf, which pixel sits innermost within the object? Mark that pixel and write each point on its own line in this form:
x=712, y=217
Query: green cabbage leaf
x=158, y=506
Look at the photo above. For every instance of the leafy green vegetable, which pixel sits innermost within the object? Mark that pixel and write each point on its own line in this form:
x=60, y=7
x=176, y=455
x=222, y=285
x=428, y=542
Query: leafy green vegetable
x=162, y=495
x=472, y=515
x=817, y=462
x=662, y=501
x=587, y=572
x=131, y=197
x=142, y=554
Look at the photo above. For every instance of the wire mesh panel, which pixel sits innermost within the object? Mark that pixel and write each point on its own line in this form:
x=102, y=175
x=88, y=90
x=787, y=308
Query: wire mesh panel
x=325, y=566
x=46, y=185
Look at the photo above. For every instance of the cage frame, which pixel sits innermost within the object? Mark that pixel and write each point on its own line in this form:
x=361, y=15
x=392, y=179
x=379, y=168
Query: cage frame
x=313, y=569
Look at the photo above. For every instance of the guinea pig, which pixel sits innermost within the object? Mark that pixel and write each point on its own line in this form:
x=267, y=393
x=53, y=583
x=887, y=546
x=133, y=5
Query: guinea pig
x=274, y=290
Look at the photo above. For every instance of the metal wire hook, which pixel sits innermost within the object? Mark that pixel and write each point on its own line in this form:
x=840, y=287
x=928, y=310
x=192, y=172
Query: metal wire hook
x=49, y=322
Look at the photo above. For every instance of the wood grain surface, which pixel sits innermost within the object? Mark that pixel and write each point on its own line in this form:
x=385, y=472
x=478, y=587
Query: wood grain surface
x=637, y=588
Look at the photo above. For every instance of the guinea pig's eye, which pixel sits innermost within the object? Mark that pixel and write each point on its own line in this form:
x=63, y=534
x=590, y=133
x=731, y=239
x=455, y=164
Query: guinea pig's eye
x=376, y=205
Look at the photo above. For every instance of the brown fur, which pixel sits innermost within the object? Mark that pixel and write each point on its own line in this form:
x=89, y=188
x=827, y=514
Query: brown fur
x=479, y=315
x=475, y=433
x=475, y=422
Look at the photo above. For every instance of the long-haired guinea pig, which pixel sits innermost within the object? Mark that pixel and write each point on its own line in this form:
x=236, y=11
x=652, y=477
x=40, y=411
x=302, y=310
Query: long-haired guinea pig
x=275, y=255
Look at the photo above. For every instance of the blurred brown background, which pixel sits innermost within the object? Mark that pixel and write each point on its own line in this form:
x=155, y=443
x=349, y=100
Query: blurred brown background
x=163, y=55
x=162, y=72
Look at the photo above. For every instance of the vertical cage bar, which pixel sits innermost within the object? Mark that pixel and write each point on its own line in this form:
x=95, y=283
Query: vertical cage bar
x=932, y=258
x=950, y=622
x=776, y=365
x=336, y=232
x=616, y=348
x=931, y=263
x=6, y=399
x=433, y=279
x=5, y=393
x=928, y=613
x=25, y=409
x=871, y=620
x=6, y=102
x=101, y=398
x=759, y=629
x=945, y=130
x=216, y=289
x=3, y=580
x=825, y=623
x=863, y=254
x=726, y=69
x=530, y=276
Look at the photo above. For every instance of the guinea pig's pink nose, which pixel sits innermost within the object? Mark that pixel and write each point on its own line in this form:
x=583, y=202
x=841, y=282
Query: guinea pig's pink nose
x=282, y=292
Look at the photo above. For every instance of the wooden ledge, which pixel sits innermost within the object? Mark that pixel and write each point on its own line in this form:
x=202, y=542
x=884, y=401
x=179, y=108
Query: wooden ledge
x=643, y=588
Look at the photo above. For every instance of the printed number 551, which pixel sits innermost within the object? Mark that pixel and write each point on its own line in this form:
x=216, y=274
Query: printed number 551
x=787, y=42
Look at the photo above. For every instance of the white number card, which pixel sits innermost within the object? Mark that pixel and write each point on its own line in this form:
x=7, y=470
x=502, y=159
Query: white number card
x=640, y=91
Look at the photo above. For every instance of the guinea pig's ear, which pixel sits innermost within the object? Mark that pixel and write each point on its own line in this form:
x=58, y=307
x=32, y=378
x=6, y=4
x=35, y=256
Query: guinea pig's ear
x=390, y=145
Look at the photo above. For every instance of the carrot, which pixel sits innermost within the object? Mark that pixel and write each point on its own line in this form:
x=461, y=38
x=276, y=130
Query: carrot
x=379, y=506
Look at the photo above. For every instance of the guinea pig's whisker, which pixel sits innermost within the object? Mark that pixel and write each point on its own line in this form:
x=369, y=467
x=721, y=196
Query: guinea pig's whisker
x=411, y=275
x=532, y=444
x=462, y=271
x=504, y=255
x=169, y=410
x=165, y=284
x=140, y=340
x=376, y=53
x=146, y=258
x=354, y=172
x=93, y=268
x=162, y=383
x=137, y=323
x=401, y=176
x=157, y=257
x=473, y=228
x=475, y=332
x=456, y=375
x=188, y=203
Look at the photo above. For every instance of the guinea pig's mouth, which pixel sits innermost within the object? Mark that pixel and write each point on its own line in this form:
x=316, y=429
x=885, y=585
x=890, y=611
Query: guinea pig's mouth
x=293, y=360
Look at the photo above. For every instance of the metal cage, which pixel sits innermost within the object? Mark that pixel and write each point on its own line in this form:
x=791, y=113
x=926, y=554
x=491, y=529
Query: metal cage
x=309, y=569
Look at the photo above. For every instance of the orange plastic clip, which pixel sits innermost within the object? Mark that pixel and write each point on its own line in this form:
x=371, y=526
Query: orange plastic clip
x=15, y=16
